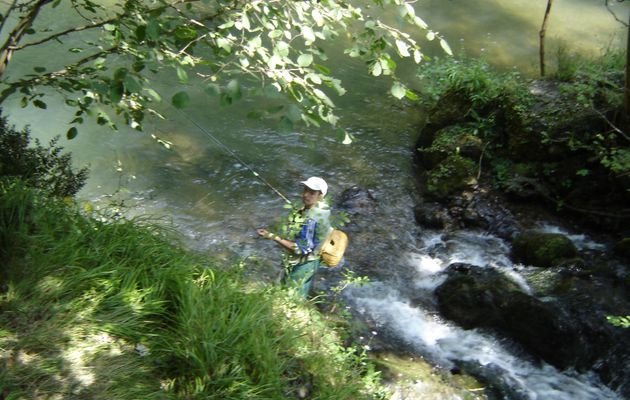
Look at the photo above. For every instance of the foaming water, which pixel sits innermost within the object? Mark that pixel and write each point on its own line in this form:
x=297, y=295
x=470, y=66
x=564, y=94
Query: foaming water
x=449, y=346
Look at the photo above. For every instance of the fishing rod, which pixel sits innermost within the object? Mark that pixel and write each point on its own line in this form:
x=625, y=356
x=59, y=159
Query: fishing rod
x=233, y=154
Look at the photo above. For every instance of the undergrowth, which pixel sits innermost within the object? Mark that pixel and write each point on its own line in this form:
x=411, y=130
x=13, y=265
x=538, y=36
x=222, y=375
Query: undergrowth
x=112, y=309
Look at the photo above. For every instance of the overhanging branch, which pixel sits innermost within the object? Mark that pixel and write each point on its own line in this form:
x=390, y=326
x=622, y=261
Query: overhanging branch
x=63, y=33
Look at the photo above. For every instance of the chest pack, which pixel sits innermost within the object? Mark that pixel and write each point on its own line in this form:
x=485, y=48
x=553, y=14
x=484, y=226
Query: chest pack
x=333, y=248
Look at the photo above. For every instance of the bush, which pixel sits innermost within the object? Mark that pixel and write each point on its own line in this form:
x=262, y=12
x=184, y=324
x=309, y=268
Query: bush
x=41, y=167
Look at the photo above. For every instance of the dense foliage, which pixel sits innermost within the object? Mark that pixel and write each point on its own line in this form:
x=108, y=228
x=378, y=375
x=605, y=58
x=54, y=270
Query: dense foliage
x=41, y=167
x=115, y=53
x=560, y=139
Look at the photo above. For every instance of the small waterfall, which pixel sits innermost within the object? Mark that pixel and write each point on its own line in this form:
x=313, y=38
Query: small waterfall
x=420, y=328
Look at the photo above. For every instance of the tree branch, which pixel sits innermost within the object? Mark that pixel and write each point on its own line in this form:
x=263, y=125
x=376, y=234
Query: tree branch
x=54, y=75
x=613, y=13
x=6, y=16
x=16, y=34
x=63, y=33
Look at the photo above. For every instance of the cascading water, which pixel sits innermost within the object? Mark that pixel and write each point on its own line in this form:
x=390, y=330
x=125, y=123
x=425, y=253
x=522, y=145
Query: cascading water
x=420, y=329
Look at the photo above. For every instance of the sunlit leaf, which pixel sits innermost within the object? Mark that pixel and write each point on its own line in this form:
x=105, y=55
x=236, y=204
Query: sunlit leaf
x=446, y=47
x=234, y=89
x=398, y=90
x=154, y=94
x=308, y=34
x=304, y=60
x=402, y=48
x=377, y=70
x=182, y=75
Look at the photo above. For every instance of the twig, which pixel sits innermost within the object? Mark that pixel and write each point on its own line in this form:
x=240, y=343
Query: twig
x=613, y=13
x=619, y=131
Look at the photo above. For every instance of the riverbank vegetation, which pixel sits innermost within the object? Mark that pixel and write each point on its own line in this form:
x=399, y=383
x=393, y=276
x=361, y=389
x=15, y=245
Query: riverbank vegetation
x=94, y=306
x=560, y=140
x=109, y=308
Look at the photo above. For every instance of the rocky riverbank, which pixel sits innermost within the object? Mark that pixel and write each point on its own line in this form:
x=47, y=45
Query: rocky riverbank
x=527, y=170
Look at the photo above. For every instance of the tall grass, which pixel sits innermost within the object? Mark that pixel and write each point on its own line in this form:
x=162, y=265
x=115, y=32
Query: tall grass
x=93, y=309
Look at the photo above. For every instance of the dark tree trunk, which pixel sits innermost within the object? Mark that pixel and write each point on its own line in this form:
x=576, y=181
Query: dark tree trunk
x=543, y=30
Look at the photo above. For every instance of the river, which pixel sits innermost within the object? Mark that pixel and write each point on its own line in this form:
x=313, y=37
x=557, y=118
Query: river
x=216, y=202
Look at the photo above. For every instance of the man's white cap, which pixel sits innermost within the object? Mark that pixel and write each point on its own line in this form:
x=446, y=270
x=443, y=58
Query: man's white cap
x=316, y=183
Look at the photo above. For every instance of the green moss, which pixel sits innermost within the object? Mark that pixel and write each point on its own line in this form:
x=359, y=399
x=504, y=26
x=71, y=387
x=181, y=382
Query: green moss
x=543, y=249
x=453, y=174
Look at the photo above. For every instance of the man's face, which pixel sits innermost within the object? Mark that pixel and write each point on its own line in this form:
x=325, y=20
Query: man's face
x=310, y=197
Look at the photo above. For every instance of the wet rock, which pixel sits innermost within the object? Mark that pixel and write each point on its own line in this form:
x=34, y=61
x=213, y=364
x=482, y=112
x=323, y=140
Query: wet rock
x=542, y=249
x=357, y=201
x=432, y=216
x=477, y=297
x=567, y=330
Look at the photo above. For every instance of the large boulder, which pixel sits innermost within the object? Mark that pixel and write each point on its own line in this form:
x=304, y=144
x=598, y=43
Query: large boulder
x=477, y=297
x=567, y=330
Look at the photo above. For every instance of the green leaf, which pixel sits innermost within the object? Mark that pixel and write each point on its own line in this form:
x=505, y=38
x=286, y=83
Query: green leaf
x=153, y=29
x=411, y=95
x=132, y=85
x=234, y=89
x=120, y=74
x=180, y=100
x=24, y=102
x=255, y=114
x=39, y=104
x=446, y=47
x=376, y=69
x=322, y=69
x=72, y=133
x=304, y=60
x=212, y=89
x=116, y=91
x=182, y=75
x=398, y=90
x=285, y=125
x=39, y=69
x=185, y=33
x=402, y=47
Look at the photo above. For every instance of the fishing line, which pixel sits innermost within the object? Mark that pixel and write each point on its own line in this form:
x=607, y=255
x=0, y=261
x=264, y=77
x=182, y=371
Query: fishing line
x=233, y=154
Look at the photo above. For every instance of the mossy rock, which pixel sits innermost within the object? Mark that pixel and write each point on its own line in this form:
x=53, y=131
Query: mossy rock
x=450, y=176
x=541, y=249
x=454, y=139
x=622, y=248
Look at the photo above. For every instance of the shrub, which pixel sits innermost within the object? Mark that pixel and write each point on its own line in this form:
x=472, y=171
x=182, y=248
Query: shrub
x=41, y=167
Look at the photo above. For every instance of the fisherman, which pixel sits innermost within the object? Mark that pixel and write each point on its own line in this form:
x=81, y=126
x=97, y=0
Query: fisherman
x=304, y=234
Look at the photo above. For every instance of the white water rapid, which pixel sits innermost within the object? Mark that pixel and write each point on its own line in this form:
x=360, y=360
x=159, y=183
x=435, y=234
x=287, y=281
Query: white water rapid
x=448, y=345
